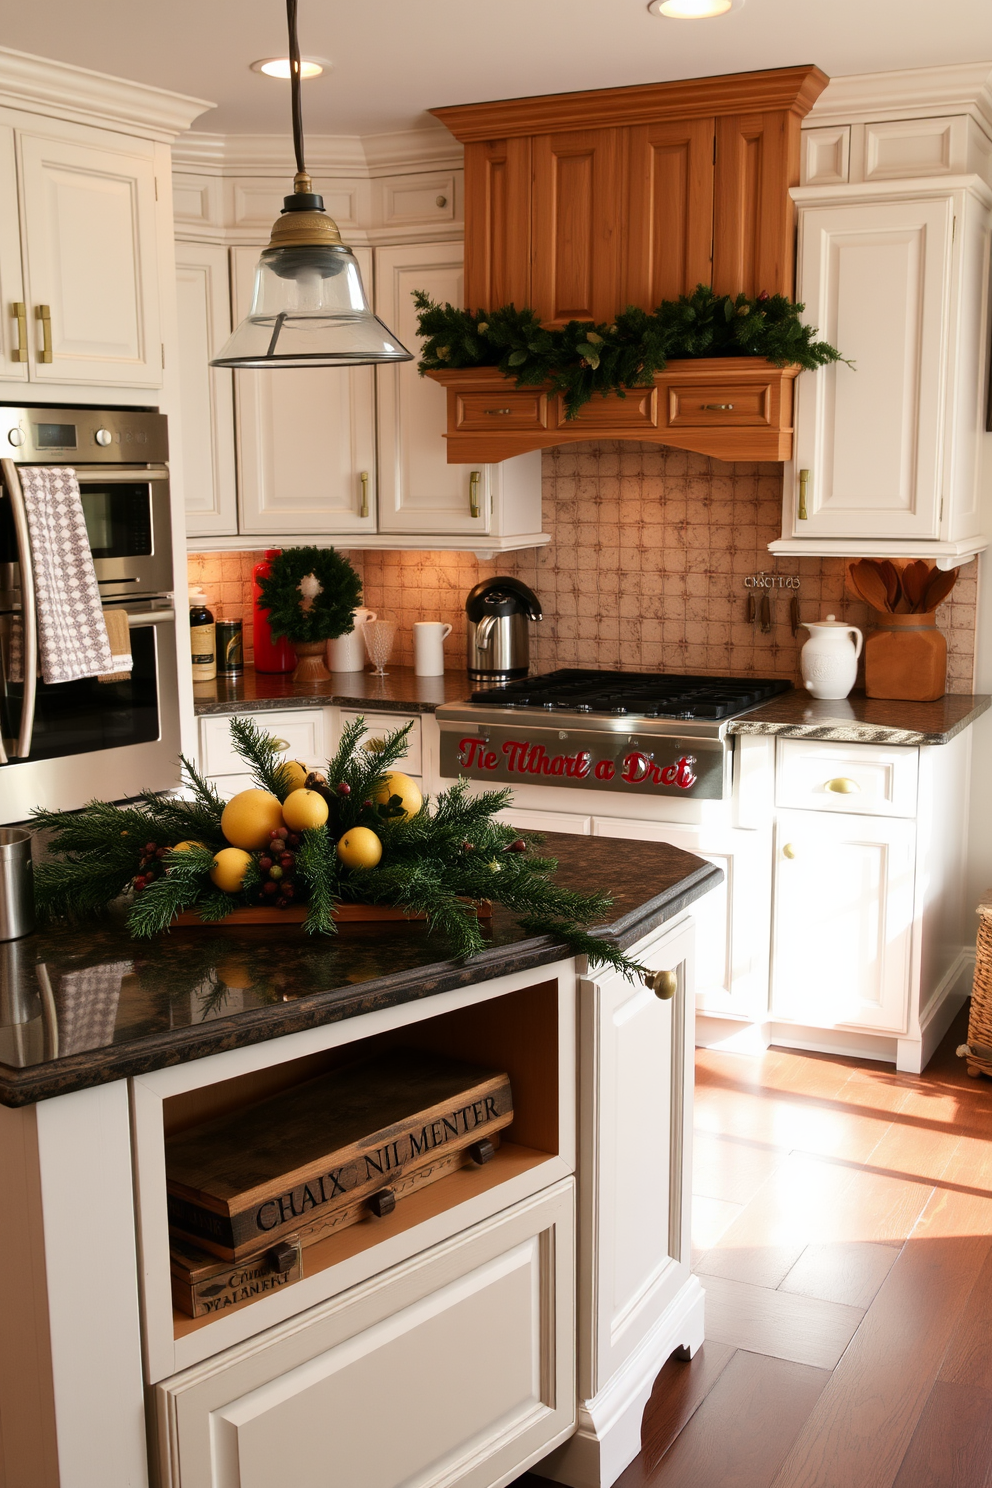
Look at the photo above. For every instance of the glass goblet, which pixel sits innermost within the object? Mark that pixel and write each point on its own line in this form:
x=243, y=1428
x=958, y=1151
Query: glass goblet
x=379, y=636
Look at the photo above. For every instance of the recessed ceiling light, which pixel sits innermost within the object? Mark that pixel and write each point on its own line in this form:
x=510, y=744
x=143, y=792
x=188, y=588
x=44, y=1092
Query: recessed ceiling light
x=279, y=66
x=693, y=10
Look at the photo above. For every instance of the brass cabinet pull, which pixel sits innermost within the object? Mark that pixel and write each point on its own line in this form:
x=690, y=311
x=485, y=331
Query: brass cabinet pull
x=363, y=510
x=843, y=785
x=281, y=743
x=473, y=493
x=664, y=984
x=496, y=412
x=20, y=312
x=803, y=492
x=720, y=407
x=44, y=314
x=788, y=851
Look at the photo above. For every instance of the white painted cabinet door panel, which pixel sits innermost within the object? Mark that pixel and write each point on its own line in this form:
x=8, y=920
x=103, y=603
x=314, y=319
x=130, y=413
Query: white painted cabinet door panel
x=13, y=337
x=844, y=903
x=731, y=920
x=874, y=277
x=90, y=256
x=418, y=490
x=636, y=1145
x=203, y=302
x=306, y=437
x=455, y=1369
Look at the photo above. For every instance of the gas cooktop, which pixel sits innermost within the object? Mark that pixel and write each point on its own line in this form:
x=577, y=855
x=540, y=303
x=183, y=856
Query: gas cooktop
x=632, y=695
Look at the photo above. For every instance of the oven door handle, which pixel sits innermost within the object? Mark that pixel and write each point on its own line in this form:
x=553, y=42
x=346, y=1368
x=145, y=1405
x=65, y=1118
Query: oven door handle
x=149, y=617
x=29, y=614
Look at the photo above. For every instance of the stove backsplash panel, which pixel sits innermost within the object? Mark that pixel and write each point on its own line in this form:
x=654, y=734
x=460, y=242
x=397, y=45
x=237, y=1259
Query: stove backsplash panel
x=649, y=551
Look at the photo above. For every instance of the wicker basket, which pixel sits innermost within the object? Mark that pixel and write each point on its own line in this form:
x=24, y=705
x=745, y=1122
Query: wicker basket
x=978, y=1049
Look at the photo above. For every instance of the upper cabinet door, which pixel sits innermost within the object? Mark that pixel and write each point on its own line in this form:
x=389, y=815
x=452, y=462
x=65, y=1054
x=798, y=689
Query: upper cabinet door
x=757, y=159
x=418, y=490
x=305, y=436
x=874, y=277
x=670, y=210
x=206, y=394
x=90, y=260
x=13, y=312
x=577, y=216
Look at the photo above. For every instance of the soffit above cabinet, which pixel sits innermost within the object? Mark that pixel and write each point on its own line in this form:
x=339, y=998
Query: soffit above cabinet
x=578, y=205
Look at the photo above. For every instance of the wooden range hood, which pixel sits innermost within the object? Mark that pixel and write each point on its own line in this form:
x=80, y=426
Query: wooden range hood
x=578, y=204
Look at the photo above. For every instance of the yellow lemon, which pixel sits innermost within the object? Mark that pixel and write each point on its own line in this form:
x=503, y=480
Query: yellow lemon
x=185, y=846
x=230, y=867
x=398, y=784
x=359, y=848
x=250, y=817
x=292, y=776
x=304, y=808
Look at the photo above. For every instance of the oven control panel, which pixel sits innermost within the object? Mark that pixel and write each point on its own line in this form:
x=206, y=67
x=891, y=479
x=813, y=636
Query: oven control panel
x=43, y=435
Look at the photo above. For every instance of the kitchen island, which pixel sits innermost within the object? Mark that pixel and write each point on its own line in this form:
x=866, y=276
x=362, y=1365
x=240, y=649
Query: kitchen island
x=542, y=1291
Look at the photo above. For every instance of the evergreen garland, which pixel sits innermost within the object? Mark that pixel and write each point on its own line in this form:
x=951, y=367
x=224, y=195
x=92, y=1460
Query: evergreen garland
x=437, y=861
x=583, y=358
x=330, y=614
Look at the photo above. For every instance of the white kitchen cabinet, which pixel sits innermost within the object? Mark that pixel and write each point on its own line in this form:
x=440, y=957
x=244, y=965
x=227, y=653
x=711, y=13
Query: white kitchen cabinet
x=89, y=256
x=492, y=1309
x=203, y=305
x=419, y=492
x=844, y=911
x=305, y=437
x=300, y=733
x=887, y=450
x=13, y=320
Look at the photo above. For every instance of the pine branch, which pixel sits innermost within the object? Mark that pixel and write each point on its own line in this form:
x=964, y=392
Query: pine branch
x=260, y=753
x=204, y=790
x=317, y=866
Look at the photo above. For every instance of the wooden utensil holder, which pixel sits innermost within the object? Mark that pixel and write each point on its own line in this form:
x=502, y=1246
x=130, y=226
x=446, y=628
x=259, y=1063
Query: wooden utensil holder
x=906, y=658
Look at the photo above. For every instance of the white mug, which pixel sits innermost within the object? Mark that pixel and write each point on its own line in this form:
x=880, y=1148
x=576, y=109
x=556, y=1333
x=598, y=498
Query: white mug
x=347, y=652
x=429, y=637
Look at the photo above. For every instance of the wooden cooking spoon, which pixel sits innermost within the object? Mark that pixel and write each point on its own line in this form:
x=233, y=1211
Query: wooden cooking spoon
x=890, y=578
x=915, y=577
x=871, y=585
x=940, y=585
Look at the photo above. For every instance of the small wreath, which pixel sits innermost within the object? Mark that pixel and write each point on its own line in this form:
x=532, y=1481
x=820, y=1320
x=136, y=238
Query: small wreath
x=319, y=610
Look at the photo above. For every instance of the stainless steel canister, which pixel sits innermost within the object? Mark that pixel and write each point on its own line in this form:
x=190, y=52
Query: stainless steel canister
x=16, y=883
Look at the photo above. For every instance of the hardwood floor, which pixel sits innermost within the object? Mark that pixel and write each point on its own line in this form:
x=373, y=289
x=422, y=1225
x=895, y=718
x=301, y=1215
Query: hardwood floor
x=843, y=1232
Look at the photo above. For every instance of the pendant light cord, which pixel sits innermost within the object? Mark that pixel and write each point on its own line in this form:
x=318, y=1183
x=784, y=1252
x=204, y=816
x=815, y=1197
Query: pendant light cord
x=296, y=85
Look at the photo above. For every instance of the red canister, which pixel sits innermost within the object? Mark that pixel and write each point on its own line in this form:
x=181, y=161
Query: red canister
x=270, y=655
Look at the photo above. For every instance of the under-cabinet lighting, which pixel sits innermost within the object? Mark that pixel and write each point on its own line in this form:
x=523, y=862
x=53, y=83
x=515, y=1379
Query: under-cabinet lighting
x=693, y=10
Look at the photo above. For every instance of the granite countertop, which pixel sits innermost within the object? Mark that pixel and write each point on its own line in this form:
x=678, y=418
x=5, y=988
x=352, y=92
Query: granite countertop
x=863, y=720
x=80, y=1006
x=401, y=690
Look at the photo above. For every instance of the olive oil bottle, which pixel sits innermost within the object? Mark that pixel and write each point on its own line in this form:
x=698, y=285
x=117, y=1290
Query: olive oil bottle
x=202, y=638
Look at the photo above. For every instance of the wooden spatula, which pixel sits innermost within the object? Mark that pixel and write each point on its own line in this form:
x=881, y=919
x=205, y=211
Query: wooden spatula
x=939, y=587
x=915, y=577
x=890, y=578
x=871, y=585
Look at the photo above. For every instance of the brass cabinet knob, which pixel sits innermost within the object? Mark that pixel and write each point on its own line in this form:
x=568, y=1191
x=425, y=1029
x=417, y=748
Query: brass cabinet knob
x=843, y=785
x=788, y=851
x=281, y=743
x=664, y=984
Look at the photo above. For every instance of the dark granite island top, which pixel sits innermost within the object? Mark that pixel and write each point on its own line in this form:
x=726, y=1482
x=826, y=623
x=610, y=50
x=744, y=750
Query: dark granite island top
x=401, y=690
x=85, y=1005
x=863, y=720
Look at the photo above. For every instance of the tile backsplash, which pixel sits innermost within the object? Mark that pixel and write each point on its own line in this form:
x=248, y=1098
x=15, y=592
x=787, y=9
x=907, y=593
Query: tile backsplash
x=649, y=551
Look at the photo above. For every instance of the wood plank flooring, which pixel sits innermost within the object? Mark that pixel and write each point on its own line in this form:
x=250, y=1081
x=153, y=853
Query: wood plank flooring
x=843, y=1232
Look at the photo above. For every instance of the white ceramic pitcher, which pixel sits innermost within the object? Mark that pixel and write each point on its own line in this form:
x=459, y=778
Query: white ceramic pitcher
x=829, y=659
x=347, y=653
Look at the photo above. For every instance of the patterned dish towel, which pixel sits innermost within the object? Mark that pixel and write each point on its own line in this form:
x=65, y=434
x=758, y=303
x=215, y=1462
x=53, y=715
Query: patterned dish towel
x=72, y=636
x=119, y=636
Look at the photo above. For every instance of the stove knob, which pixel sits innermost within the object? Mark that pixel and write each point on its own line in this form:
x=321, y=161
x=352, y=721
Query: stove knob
x=16, y=437
x=103, y=437
x=548, y=707
x=619, y=712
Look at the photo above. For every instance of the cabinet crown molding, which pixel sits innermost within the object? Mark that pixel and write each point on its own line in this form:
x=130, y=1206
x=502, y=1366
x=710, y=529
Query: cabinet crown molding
x=40, y=83
x=356, y=155
x=790, y=88
x=916, y=93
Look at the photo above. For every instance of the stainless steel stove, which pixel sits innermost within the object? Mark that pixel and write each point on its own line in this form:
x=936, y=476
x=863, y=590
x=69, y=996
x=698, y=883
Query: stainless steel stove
x=653, y=734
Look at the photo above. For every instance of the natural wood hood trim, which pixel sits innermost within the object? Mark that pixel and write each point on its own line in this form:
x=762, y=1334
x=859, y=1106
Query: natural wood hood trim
x=792, y=88
x=689, y=406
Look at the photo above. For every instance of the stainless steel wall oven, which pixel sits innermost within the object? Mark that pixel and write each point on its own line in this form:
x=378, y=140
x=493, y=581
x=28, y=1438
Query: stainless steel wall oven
x=68, y=742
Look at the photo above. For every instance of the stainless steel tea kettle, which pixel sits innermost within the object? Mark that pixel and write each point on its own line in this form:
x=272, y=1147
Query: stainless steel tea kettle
x=499, y=612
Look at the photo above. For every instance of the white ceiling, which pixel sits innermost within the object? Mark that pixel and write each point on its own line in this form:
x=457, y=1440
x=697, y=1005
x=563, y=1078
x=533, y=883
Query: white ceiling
x=395, y=58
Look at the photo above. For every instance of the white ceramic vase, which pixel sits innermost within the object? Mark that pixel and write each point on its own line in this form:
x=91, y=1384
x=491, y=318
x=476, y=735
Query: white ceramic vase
x=347, y=652
x=829, y=659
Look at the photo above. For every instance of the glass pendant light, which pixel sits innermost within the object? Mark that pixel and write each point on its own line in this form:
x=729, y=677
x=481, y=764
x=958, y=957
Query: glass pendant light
x=308, y=307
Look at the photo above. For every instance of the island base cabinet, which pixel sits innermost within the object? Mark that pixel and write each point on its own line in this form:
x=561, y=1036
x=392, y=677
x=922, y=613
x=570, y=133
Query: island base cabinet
x=638, y=1302
x=455, y=1368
